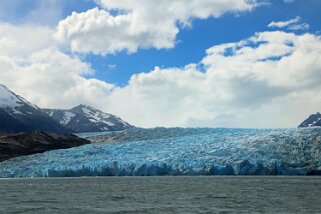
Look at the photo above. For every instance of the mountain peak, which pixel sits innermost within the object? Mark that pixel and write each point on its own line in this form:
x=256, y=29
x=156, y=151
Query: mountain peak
x=17, y=114
x=81, y=106
x=84, y=118
x=9, y=99
x=21, y=115
x=3, y=86
x=312, y=121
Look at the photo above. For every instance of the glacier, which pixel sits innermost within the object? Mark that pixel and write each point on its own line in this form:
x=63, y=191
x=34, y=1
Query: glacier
x=179, y=151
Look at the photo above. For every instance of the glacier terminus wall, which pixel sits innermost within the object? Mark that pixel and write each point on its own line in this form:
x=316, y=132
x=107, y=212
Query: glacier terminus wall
x=178, y=151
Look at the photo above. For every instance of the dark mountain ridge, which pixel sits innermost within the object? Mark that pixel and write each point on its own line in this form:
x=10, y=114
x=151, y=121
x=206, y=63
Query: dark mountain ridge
x=312, y=121
x=14, y=145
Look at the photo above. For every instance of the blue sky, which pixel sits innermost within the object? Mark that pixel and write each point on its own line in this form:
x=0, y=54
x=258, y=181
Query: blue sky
x=192, y=42
x=229, y=63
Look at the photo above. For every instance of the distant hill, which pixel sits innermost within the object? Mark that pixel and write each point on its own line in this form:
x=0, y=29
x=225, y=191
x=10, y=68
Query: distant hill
x=83, y=118
x=19, y=115
x=312, y=121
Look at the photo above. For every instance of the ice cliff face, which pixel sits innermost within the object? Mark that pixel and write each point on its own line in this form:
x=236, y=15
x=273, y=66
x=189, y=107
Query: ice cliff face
x=146, y=152
x=84, y=118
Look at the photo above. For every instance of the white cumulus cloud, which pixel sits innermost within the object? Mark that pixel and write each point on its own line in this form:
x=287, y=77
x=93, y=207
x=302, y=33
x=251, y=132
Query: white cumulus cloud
x=269, y=80
x=292, y=24
x=32, y=66
x=138, y=24
x=23, y=40
x=284, y=23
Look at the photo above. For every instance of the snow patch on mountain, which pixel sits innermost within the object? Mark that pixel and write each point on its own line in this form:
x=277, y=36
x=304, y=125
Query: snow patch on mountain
x=312, y=121
x=97, y=116
x=84, y=118
x=67, y=117
x=29, y=103
x=8, y=99
x=51, y=113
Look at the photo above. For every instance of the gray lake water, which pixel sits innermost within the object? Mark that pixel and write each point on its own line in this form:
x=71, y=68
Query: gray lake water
x=161, y=195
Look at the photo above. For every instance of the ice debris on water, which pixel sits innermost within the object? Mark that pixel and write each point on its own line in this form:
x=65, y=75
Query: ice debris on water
x=178, y=151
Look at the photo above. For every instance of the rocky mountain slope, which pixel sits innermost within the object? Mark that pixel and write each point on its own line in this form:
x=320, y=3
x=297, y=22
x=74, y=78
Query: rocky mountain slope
x=14, y=145
x=17, y=114
x=84, y=118
x=312, y=121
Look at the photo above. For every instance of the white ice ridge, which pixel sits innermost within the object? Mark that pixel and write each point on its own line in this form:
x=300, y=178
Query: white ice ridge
x=160, y=151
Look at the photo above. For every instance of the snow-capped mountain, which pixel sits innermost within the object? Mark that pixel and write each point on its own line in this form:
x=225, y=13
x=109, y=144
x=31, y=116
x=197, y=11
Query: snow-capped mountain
x=312, y=120
x=84, y=118
x=12, y=101
x=17, y=114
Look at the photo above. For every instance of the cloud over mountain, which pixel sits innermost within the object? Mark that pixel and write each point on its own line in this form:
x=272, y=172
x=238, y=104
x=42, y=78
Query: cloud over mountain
x=238, y=84
x=33, y=66
x=263, y=73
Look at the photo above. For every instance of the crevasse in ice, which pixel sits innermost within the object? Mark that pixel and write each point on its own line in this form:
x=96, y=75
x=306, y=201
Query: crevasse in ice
x=177, y=151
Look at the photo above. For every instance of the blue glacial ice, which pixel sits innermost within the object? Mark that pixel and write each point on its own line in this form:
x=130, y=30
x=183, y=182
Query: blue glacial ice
x=177, y=151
